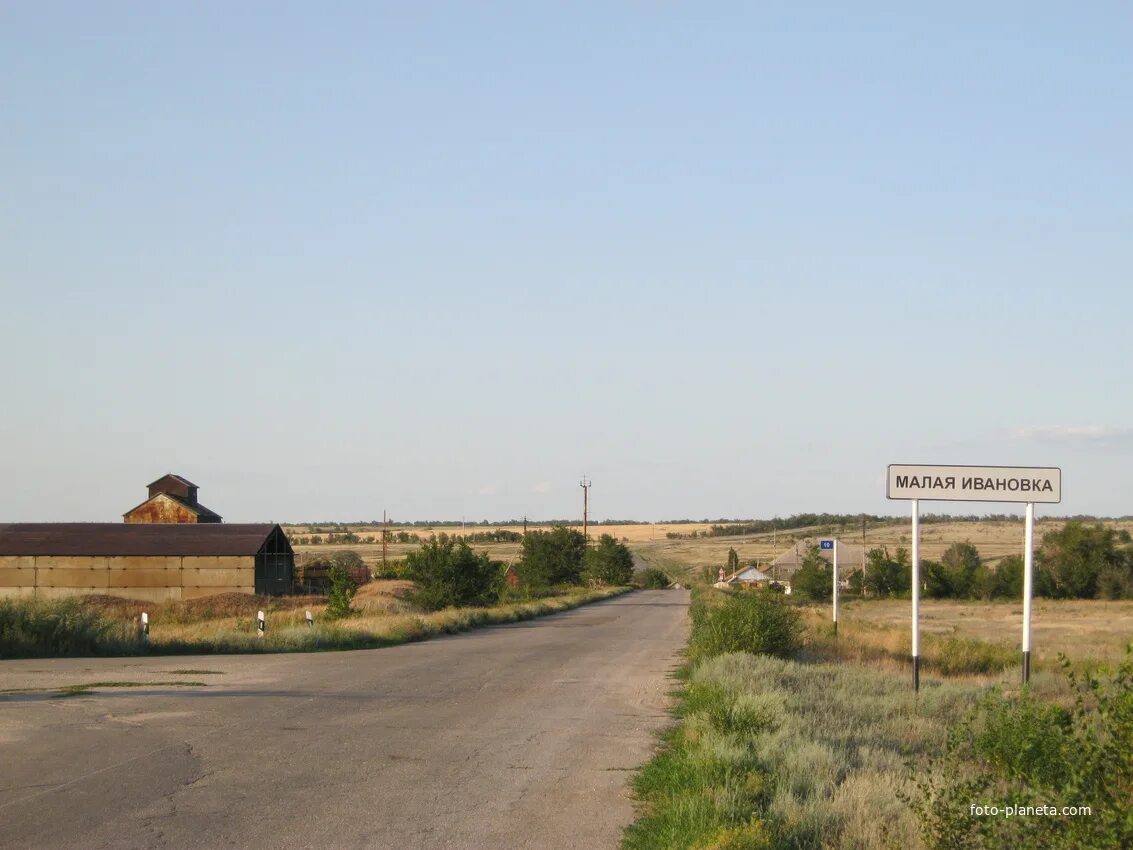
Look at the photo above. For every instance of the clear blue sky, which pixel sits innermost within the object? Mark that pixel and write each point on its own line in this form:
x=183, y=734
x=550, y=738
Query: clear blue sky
x=726, y=259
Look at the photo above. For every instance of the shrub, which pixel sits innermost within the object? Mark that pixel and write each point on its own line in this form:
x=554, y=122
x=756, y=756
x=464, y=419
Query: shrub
x=552, y=557
x=449, y=574
x=340, y=593
x=758, y=622
x=1019, y=751
x=610, y=562
x=654, y=579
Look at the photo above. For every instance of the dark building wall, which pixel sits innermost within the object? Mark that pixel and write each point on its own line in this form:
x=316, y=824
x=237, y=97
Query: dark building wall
x=175, y=486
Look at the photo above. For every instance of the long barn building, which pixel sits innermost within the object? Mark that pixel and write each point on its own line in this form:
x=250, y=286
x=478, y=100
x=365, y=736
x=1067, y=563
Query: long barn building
x=154, y=562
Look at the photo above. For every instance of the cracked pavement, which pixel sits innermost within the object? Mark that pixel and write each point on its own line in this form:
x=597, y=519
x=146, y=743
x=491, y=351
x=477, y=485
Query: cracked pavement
x=517, y=736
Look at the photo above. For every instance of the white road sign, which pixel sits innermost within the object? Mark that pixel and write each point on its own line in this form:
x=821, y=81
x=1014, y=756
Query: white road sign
x=974, y=483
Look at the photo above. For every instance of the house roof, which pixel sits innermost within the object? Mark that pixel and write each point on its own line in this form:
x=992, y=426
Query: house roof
x=750, y=574
x=119, y=539
x=198, y=509
x=180, y=478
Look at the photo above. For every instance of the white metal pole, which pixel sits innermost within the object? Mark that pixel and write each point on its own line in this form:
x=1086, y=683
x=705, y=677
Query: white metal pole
x=916, y=595
x=1028, y=579
x=835, y=587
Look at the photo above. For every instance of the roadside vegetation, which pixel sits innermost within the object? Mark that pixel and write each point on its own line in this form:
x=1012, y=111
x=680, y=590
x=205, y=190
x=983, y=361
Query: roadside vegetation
x=443, y=587
x=790, y=737
x=383, y=615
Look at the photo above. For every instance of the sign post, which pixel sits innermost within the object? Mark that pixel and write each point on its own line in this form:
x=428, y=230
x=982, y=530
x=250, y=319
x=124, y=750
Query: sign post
x=1025, y=484
x=833, y=545
x=1028, y=585
x=916, y=594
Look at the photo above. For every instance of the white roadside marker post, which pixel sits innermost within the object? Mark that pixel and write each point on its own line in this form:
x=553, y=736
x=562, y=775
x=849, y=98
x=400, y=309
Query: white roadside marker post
x=916, y=595
x=260, y=624
x=310, y=620
x=1028, y=573
x=145, y=627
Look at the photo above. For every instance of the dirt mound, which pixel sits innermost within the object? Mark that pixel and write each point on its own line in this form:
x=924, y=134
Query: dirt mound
x=397, y=588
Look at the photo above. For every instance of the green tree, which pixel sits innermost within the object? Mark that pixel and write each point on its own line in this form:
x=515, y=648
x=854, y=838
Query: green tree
x=814, y=579
x=1072, y=559
x=961, y=561
x=552, y=557
x=450, y=574
x=340, y=593
x=885, y=575
x=609, y=562
x=733, y=561
x=1003, y=582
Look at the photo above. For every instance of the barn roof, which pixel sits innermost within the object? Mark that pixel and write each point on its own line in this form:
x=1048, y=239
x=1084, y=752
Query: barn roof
x=112, y=538
x=198, y=509
x=180, y=478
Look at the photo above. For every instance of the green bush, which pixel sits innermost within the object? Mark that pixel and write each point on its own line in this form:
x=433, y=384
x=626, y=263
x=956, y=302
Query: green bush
x=1020, y=751
x=41, y=627
x=552, y=557
x=654, y=579
x=450, y=574
x=609, y=562
x=759, y=622
x=340, y=593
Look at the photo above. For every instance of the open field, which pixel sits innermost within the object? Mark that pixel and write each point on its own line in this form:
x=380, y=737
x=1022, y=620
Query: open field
x=633, y=534
x=993, y=538
x=1083, y=629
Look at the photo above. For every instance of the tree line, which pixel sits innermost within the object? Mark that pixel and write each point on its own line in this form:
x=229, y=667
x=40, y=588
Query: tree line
x=449, y=573
x=1077, y=561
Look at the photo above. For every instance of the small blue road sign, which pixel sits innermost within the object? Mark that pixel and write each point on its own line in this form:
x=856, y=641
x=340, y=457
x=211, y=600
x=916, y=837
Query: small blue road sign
x=826, y=544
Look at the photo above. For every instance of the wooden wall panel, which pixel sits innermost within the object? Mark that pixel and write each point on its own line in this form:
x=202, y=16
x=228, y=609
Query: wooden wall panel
x=17, y=576
x=218, y=578
x=118, y=579
x=94, y=579
x=197, y=592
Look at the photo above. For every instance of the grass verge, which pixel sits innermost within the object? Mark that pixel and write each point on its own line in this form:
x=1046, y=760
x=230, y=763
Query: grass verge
x=48, y=628
x=830, y=748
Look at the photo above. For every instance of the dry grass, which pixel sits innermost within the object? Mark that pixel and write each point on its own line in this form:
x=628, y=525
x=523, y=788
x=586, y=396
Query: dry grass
x=384, y=617
x=1084, y=629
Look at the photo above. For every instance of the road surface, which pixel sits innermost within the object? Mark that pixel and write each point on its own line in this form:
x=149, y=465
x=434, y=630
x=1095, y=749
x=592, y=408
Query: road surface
x=519, y=736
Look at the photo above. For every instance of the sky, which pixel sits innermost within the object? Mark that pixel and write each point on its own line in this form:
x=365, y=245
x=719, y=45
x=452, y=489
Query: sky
x=442, y=260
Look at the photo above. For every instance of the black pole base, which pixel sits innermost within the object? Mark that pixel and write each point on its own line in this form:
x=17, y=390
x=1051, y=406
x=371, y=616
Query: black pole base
x=835, y=628
x=1026, y=667
x=916, y=673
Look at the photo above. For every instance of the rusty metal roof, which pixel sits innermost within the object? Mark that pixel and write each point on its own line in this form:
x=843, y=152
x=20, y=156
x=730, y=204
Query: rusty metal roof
x=199, y=509
x=112, y=538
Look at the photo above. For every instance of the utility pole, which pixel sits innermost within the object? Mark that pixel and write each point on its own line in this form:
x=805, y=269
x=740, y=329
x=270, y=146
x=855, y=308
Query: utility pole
x=585, y=485
x=385, y=534
x=525, y=525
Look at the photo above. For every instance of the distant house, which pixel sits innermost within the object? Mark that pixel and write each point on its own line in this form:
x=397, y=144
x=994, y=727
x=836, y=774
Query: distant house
x=851, y=558
x=171, y=499
x=750, y=576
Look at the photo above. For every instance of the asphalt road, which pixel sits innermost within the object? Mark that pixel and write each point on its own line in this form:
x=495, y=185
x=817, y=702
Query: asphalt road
x=520, y=736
